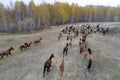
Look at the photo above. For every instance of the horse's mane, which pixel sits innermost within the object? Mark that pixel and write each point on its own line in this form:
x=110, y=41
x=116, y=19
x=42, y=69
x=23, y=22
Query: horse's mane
x=10, y=48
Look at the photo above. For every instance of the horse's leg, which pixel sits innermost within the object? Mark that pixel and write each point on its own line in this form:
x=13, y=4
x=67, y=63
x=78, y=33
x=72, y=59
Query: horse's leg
x=44, y=71
x=66, y=52
x=89, y=65
x=24, y=49
x=21, y=49
x=63, y=52
x=2, y=56
x=7, y=55
x=62, y=74
x=81, y=51
x=10, y=53
x=47, y=69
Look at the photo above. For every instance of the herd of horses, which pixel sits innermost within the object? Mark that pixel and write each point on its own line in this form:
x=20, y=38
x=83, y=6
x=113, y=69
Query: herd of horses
x=22, y=48
x=27, y=45
x=73, y=32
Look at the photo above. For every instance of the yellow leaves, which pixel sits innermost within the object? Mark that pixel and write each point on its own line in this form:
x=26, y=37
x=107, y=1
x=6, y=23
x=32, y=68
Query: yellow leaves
x=17, y=4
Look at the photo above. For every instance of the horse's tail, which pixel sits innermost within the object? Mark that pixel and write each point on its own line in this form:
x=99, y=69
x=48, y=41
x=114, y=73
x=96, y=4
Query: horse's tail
x=44, y=71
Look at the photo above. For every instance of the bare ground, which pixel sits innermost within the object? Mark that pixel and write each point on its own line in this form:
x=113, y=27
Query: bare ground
x=28, y=65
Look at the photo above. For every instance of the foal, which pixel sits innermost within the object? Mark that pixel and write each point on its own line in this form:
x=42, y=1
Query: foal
x=37, y=41
x=48, y=64
x=61, y=67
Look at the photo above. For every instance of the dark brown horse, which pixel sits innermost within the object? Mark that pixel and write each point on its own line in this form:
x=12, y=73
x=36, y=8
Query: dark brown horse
x=65, y=50
x=37, y=41
x=48, y=64
x=28, y=45
x=23, y=47
x=7, y=52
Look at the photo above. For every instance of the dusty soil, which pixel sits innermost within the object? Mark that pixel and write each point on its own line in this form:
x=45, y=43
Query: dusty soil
x=28, y=65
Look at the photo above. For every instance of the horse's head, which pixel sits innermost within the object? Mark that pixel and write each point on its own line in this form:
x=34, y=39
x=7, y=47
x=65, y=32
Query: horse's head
x=26, y=43
x=11, y=48
x=52, y=55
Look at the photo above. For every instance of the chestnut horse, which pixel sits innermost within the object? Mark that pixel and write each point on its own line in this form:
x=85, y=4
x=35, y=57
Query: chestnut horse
x=61, y=67
x=7, y=52
x=37, y=41
x=48, y=64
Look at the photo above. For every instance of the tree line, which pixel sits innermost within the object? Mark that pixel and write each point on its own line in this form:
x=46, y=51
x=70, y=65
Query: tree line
x=20, y=17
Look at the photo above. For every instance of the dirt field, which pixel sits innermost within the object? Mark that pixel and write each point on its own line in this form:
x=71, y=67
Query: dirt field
x=28, y=65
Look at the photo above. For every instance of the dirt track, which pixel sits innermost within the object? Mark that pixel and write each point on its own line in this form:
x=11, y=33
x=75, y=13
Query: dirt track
x=28, y=65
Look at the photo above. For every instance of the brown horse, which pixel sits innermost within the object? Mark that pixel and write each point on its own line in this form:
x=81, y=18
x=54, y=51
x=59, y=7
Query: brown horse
x=37, y=41
x=28, y=45
x=65, y=50
x=83, y=46
x=23, y=47
x=61, y=67
x=7, y=52
x=48, y=64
